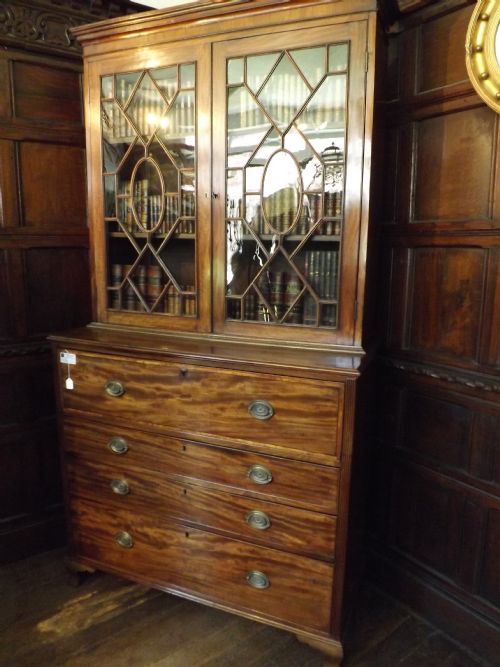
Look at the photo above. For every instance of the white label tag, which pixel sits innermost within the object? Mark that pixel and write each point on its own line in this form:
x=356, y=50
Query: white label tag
x=69, y=383
x=67, y=358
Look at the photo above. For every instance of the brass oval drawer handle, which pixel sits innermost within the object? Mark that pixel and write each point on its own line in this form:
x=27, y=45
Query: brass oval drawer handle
x=114, y=388
x=258, y=520
x=120, y=487
x=124, y=539
x=257, y=579
x=118, y=445
x=261, y=410
x=259, y=474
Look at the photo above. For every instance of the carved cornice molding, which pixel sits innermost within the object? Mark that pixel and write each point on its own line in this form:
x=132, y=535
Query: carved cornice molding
x=46, y=24
x=24, y=349
x=437, y=373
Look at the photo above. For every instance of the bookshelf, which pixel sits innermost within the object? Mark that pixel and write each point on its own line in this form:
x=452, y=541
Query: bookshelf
x=229, y=218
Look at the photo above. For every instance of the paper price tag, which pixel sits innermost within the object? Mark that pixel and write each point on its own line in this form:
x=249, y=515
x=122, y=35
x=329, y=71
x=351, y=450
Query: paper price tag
x=69, y=384
x=67, y=358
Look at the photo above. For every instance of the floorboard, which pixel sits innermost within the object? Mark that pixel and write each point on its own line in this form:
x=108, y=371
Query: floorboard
x=109, y=622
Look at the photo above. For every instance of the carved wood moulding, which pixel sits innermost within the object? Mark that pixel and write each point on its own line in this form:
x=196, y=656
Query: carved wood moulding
x=46, y=24
x=24, y=349
x=484, y=384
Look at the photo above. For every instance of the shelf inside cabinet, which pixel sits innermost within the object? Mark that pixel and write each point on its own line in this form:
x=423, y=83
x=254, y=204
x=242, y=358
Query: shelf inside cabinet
x=295, y=237
x=144, y=235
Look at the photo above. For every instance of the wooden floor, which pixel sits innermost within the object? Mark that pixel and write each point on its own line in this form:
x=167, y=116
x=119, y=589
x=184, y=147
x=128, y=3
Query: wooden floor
x=108, y=622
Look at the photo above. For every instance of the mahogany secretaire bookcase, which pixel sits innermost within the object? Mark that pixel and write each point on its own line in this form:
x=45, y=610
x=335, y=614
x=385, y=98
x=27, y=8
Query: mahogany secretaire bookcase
x=210, y=415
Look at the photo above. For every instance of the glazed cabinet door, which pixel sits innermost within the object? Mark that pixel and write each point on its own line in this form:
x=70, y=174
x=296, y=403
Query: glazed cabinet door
x=288, y=172
x=149, y=139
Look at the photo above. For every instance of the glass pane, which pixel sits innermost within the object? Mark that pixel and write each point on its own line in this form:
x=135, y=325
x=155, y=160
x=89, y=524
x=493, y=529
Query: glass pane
x=177, y=131
x=246, y=126
x=312, y=63
x=284, y=93
x=284, y=241
x=188, y=202
x=109, y=196
x=337, y=57
x=146, y=107
x=166, y=80
x=282, y=191
x=234, y=193
x=117, y=136
x=324, y=116
x=171, y=211
x=187, y=76
x=235, y=70
x=107, y=87
x=259, y=68
x=149, y=186
x=124, y=84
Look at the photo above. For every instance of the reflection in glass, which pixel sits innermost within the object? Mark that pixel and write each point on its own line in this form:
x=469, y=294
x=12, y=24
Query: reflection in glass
x=166, y=80
x=234, y=197
x=285, y=171
x=259, y=68
x=235, y=71
x=284, y=93
x=177, y=130
x=337, y=57
x=149, y=142
x=312, y=63
x=246, y=126
x=109, y=196
x=281, y=190
x=107, y=86
x=187, y=76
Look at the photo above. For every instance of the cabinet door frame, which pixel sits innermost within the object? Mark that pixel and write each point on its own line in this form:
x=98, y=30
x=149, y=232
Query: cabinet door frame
x=135, y=60
x=353, y=247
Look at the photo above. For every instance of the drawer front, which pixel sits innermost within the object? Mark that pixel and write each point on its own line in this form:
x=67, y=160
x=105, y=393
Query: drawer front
x=171, y=555
x=297, y=483
x=143, y=491
x=254, y=408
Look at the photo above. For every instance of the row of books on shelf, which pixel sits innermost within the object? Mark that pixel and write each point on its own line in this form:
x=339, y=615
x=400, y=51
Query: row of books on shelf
x=281, y=290
x=148, y=209
x=312, y=212
x=305, y=312
x=149, y=283
x=147, y=110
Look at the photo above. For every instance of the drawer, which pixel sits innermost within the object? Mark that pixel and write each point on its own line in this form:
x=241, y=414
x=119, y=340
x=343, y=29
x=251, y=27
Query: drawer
x=177, y=557
x=142, y=491
x=300, y=415
x=273, y=478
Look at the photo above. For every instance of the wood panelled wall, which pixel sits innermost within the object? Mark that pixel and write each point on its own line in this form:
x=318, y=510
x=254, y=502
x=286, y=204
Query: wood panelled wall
x=436, y=520
x=44, y=273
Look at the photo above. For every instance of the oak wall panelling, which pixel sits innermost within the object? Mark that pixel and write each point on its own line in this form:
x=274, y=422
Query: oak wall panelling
x=436, y=513
x=43, y=251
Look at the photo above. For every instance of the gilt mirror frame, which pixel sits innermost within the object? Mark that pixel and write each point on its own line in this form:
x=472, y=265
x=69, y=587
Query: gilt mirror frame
x=482, y=47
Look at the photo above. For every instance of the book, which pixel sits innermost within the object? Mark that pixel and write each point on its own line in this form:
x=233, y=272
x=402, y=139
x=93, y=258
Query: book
x=116, y=281
x=153, y=285
x=293, y=288
x=141, y=283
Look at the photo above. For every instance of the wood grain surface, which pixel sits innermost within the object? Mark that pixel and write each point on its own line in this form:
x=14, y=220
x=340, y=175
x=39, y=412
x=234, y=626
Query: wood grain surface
x=290, y=528
x=175, y=556
x=294, y=482
x=203, y=400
